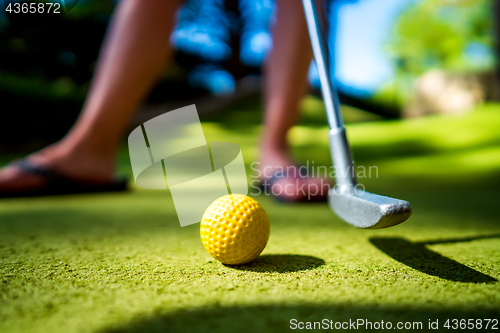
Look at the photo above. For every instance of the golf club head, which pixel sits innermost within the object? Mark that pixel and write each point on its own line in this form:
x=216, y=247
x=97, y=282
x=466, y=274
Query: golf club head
x=367, y=210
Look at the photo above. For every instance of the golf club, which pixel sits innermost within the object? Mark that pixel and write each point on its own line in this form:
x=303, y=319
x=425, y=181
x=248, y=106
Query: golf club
x=357, y=207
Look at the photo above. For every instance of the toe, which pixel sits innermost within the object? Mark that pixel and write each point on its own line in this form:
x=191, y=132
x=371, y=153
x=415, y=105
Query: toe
x=14, y=179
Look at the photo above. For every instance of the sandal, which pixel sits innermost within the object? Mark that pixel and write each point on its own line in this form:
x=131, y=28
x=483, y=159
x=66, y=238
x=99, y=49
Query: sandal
x=59, y=184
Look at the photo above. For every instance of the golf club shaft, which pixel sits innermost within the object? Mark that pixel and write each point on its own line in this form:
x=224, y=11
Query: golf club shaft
x=320, y=50
x=339, y=147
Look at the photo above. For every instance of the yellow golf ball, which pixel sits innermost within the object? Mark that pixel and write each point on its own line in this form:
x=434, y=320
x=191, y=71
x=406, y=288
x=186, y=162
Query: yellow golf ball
x=234, y=229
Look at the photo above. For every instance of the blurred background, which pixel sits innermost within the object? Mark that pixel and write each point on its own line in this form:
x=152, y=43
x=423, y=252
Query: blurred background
x=393, y=59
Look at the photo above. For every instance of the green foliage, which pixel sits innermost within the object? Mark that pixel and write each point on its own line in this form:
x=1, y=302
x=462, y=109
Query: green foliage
x=61, y=89
x=449, y=34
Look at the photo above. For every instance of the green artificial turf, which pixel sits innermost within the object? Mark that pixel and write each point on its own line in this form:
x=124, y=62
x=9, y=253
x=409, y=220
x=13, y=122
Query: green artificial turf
x=122, y=263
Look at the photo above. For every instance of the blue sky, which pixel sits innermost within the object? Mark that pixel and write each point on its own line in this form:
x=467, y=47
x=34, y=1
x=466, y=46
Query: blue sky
x=364, y=27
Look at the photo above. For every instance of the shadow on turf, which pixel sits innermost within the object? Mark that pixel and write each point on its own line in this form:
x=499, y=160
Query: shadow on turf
x=280, y=263
x=417, y=256
x=277, y=317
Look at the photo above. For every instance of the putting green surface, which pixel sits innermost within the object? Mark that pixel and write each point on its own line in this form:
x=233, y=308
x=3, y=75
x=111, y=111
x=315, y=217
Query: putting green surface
x=122, y=263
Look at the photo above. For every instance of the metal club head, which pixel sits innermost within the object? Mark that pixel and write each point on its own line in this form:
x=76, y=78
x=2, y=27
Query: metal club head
x=367, y=210
x=350, y=202
x=358, y=208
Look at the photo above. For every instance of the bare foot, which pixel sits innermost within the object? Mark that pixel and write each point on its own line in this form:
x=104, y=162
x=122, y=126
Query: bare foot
x=288, y=181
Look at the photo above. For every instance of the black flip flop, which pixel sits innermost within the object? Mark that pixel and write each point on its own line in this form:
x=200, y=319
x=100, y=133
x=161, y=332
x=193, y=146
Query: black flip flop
x=59, y=184
x=267, y=184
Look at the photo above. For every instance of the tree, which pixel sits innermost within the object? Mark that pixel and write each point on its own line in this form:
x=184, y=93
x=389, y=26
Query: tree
x=454, y=35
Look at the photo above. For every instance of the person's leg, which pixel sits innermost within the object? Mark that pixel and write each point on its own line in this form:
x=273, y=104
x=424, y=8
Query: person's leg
x=286, y=71
x=134, y=53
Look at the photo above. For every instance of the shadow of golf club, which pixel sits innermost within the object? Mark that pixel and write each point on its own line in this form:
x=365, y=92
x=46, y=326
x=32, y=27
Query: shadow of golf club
x=280, y=263
x=417, y=256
